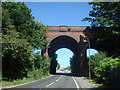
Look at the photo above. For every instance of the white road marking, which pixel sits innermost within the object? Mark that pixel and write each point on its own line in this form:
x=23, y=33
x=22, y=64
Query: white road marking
x=53, y=82
x=76, y=83
x=50, y=84
x=57, y=80
x=60, y=76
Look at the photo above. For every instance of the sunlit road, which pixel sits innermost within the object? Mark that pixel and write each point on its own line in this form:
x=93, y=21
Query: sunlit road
x=54, y=81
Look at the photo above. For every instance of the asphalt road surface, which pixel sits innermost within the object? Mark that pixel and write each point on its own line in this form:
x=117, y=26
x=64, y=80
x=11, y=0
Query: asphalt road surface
x=54, y=81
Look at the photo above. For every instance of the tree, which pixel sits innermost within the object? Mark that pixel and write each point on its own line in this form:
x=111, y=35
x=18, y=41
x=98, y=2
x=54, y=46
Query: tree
x=16, y=56
x=24, y=22
x=58, y=65
x=107, y=15
x=73, y=64
x=95, y=61
x=103, y=71
x=41, y=63
x=101, y=67
x=21, y=33
x=104, y=14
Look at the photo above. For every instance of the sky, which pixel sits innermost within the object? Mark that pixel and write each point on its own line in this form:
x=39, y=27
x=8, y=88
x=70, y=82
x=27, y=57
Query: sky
x=65, y=54
x=50, y=0
x=61, y=13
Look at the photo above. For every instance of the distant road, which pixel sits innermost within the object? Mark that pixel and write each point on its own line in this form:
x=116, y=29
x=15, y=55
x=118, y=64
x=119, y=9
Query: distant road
x=55, y=81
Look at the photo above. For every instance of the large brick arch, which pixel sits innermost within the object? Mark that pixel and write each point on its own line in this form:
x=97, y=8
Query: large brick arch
x=58, y=42
x=71, y=35
x=59, y=35
x=65, y=30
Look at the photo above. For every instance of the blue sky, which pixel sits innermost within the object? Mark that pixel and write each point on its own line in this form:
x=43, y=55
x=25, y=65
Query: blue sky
x=64, y=55
x=52, y=0
x=61, y=13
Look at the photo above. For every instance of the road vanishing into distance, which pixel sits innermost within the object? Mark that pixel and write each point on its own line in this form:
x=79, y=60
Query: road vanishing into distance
x=59, y=80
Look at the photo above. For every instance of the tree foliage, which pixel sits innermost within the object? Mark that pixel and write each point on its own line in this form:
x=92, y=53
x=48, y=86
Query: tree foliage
x=40, y=63
x=103, y=71
x=73, y=64
x=21, y=34
x=107, y=14
x=94, y=59
x=58, y=65
x=104, y=14
x=24, y=23
x=101, y=67
x=16, y=56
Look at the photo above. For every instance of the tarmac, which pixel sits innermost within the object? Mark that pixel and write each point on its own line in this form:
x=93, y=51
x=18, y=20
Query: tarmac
x=84, y=83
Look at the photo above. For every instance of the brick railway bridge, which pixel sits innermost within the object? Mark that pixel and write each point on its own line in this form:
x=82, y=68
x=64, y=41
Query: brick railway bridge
x=71, y=37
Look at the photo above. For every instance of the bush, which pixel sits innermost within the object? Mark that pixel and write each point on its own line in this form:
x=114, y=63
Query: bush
x=101, y=67
x=21, y=33
x=41, y=64
x=103, y=71
x=16, y=56
x=95, y=61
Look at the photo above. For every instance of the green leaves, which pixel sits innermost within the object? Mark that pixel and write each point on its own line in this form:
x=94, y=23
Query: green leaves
x=18, y=16
x=104, y=14
x=41, y=63
x=21, y=33
x=101, y=67
x=16, y=55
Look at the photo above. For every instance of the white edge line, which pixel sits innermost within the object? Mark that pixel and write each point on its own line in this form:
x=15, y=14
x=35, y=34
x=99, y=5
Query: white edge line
x=76, y=83
x=28, y=82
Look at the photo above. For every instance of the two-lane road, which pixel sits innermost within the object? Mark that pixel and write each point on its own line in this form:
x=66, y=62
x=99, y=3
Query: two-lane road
x=54, y=81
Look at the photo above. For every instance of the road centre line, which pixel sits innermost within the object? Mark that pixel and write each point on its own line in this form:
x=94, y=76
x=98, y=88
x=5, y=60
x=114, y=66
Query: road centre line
x=53, y=82
x=57, y=80
x=60, y=76
x=76, y=83
x=50, y=84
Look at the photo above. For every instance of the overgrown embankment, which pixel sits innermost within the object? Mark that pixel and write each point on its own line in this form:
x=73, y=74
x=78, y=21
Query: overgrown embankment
x=21, y=34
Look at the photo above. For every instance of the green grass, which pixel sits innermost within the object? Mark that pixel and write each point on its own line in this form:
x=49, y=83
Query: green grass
x=21, y=81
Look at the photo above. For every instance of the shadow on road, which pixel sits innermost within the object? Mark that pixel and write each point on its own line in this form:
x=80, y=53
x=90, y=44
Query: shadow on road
x=66, y=74
x=95, y=88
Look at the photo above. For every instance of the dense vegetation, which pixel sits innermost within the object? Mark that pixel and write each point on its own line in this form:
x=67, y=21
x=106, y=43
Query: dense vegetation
x=58, y=65
x=106, y=14
x=101, y=67
x=21, y=34
x=73, y=64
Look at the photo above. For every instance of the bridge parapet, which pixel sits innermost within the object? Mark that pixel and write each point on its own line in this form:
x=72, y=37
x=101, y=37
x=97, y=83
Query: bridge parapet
x=67, y=28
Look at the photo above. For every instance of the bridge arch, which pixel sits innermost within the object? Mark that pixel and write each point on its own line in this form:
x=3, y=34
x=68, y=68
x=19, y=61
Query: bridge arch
x=62, y=41
x=67, y=35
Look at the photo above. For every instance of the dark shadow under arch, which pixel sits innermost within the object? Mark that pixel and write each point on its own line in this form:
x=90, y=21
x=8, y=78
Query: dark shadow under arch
x=62, y=41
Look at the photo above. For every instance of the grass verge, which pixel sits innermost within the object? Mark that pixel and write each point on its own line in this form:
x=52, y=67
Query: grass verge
x=20, y=81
